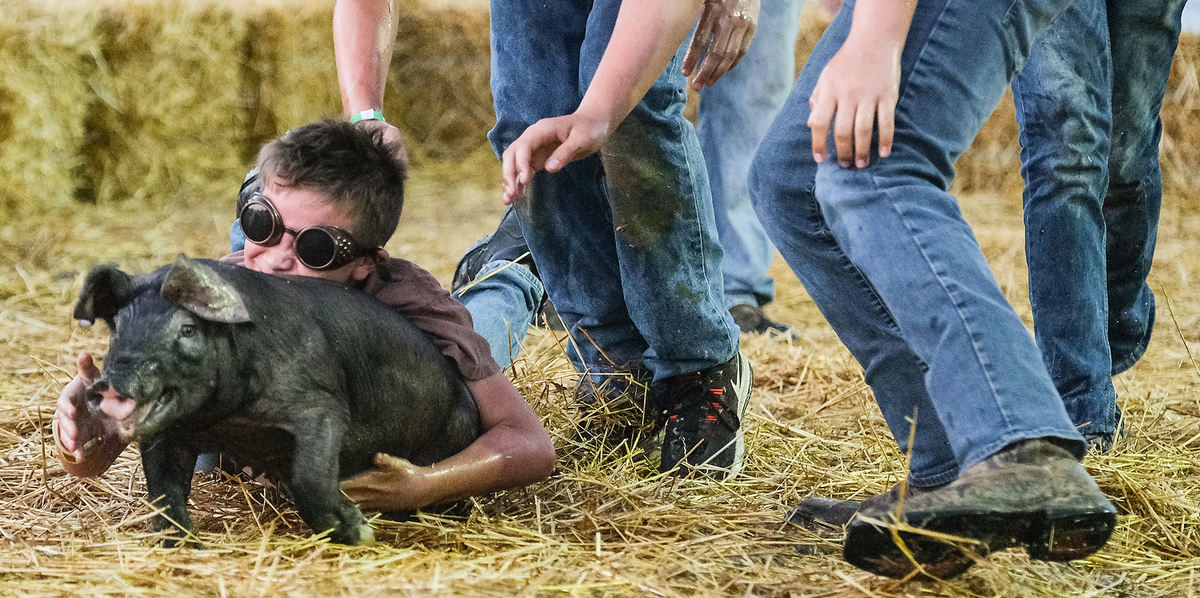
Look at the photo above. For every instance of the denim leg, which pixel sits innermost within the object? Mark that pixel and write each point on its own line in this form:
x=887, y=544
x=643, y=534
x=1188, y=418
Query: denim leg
x=733, y=116
x=625, y=241
x=237, y=239
x=782, y=177
x=1144, y=35
x=1063, y=106
x=503, y=300
x=535, y=75
x=900, y=227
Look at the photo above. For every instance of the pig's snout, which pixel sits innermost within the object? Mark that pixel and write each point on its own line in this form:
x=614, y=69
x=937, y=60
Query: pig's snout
x=103, y=398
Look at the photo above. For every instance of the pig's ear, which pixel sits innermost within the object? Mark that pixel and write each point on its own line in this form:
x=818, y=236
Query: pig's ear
x=105, y=291
x=198, y=288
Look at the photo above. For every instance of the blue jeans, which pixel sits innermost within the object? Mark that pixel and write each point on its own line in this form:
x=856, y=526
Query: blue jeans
x=503, y=300
x=1089, y=237
x=1143, y=39
x=733, y=116
x=887, y=257
x=625, y=241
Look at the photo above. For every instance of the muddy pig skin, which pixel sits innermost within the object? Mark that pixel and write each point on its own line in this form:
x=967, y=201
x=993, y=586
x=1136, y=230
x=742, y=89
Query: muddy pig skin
x=295, y=376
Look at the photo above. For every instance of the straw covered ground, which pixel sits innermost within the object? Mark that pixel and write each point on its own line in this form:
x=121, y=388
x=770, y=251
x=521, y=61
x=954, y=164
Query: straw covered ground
x=83, y=186
x=603, y=524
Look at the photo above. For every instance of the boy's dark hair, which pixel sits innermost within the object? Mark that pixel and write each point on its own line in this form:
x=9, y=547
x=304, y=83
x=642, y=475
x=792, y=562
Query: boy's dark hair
x=351, y=164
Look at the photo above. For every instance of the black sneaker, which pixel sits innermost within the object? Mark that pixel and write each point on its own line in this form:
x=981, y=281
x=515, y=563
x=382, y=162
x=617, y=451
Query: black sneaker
x=1033, y=494
x=507, y=242
x=618, y=408
x=751, y=320
x=702, y=415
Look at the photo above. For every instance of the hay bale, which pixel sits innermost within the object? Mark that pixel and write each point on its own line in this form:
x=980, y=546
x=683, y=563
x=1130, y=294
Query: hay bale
x=165, y=117
x=1181, y=109
x=45, y=62
x=438, y=91
x=289, y=73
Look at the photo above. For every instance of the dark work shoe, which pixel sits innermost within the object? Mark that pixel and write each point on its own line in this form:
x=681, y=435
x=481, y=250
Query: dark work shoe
x=548, y=316
x=819, y=513
x=1033, y=494
x=751, y=320
x=505, y=243
x=702, y=416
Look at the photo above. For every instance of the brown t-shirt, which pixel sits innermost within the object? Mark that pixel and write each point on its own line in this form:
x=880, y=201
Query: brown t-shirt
x=415, y=294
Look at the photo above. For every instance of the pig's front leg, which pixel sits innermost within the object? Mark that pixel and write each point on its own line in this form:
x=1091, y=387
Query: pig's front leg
x=314, y=482
x=169, y=469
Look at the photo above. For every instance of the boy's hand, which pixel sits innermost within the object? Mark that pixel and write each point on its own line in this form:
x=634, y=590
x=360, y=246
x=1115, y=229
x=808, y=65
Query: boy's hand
x=549, y=144
x=77, y=431
x=859, y=86
x=393, y=485
x=725, y=30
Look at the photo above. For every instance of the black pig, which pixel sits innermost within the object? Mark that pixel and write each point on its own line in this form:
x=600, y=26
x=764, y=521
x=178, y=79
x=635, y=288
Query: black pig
x=295, y=376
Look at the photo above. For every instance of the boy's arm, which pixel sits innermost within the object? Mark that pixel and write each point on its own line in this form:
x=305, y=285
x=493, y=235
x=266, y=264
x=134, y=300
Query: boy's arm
x=859, y=86
x=514, y=450
x=364, y=32
x=645, y=37
x=87, y=445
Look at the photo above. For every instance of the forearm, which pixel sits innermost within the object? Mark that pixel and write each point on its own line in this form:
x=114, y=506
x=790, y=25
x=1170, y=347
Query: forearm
x=882, y=23
x=513, y=450
x=364, y=32
x=646, y=35
x=502, y=458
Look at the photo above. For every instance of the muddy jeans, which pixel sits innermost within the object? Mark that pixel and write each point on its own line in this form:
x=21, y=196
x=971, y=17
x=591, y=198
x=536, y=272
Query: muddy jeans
x=625, y=241
x=1091, y=223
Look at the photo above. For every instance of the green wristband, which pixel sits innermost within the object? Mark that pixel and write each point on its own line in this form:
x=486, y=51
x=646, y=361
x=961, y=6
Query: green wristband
x=371, y=114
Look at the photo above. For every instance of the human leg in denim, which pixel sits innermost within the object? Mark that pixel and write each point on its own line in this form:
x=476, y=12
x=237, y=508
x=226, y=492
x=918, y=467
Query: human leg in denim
x=733, y=116
x=900, y=227
x=782, y=177
x=503, y=300
x=1144, y=35
x=625, y=241
x=1062, y=97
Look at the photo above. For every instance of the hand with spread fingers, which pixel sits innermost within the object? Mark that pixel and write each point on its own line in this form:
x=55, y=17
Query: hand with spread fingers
x=394, y=484
x=87, y=443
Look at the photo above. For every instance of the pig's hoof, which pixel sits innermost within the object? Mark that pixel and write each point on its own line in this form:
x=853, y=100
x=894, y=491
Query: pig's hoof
x=354, y=535
x=185, y=542
x=366, y=535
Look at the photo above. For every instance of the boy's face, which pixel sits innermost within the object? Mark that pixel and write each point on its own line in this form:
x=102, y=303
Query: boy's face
x=300, y=208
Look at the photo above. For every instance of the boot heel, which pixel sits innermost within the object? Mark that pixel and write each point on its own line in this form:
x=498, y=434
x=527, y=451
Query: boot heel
x=1069, y=537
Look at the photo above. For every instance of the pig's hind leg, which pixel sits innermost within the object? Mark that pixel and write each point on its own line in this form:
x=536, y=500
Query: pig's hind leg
x=314, y=484
x=168, y=468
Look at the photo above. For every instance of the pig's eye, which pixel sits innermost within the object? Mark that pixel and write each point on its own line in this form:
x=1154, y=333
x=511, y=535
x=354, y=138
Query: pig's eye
x=187, y=330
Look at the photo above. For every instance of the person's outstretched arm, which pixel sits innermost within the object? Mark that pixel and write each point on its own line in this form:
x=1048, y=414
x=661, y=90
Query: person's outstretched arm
x=645, y=37
x=364, y=33
x=87, y=444
x=514, y=450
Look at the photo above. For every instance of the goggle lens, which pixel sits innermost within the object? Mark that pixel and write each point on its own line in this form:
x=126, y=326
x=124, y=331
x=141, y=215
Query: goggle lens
x=259, y=224
x=317, y=247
